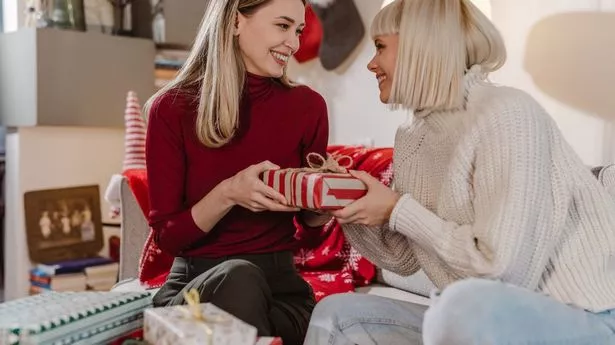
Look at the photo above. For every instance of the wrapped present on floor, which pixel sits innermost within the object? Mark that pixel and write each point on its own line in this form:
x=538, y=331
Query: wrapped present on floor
x=195, y=324
x=72, y=317
x=325, y=185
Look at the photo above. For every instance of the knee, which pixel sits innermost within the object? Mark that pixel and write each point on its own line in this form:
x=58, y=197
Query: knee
x=237, y=275
x=462, y=312
x=329, y=311
x=331, y=305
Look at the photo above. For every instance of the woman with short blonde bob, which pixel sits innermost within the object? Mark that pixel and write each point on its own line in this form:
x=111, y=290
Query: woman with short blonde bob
x=489, y=201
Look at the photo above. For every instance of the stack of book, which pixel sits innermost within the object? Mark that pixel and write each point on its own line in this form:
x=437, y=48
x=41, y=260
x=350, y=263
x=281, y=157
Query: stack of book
x=98, y=274
x=168, y=61
x=102, y=277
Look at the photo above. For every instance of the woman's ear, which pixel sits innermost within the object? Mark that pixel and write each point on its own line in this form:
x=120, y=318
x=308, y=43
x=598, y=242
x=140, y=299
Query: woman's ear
x=240, y=23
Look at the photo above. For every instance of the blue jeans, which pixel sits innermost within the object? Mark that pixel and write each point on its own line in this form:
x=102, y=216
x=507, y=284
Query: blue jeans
x=471, y=311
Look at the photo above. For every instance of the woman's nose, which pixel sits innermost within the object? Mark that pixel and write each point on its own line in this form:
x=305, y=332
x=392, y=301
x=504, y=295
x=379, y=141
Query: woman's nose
x=293, y=43
x=372, y=65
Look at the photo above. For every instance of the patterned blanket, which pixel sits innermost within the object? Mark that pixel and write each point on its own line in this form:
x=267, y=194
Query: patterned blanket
x=324, y=258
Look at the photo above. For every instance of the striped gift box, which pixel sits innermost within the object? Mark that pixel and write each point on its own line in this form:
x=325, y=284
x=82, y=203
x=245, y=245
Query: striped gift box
x=72, y=317
x=315, y=190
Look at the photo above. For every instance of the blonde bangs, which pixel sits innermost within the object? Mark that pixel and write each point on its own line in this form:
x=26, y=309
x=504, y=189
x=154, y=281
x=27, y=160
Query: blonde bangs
x=387, y=20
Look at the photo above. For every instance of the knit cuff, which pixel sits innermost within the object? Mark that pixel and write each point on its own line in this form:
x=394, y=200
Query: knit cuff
x=414, y=221
x=176, y=235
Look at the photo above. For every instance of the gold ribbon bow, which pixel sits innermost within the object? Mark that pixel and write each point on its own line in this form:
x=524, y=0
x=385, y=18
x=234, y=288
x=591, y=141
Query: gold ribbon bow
x=194, y=308
x=329, y=164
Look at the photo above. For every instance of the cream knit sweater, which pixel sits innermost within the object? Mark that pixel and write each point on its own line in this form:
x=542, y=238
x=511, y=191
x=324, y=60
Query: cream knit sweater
x=494, y=191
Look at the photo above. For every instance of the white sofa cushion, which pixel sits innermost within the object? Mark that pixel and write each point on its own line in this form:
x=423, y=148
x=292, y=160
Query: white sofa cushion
x=417, y=283
x=131, y=284
x=391, y=292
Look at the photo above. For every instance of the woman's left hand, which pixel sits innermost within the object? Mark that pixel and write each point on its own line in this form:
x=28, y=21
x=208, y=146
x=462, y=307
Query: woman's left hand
x=374, y=209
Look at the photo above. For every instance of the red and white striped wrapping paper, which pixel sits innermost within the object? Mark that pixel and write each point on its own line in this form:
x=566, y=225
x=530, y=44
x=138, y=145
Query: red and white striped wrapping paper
x=315, y=190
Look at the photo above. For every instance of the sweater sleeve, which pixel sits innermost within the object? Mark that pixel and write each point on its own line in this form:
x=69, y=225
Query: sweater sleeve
x=315, y=139
x=519, y=202
x=386, y=249
x=170, y=217
x=316, y=135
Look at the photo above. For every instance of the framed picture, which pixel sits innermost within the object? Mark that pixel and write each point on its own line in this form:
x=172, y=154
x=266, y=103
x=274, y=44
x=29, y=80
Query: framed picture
x=63, y=224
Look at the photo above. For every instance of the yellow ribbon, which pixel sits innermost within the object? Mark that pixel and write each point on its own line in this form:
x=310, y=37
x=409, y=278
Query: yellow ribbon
x=329, y=164
x=194, y=308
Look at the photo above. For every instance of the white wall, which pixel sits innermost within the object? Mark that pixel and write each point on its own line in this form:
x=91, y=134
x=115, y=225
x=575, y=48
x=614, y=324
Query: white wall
x=45, y=158
x=561, y=52
x=356, y=113
x=13, y=14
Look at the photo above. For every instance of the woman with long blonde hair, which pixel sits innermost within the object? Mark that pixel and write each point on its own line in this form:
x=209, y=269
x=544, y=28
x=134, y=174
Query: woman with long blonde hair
x=488, y=199
x=230, y=114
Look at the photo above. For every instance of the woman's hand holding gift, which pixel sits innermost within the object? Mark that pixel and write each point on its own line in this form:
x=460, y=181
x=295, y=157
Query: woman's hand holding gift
x=246, y=189
x=374, y=209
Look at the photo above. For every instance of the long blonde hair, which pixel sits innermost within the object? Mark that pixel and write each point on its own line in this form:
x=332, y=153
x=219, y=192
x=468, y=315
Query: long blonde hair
x=216, y=67
x=439, y=40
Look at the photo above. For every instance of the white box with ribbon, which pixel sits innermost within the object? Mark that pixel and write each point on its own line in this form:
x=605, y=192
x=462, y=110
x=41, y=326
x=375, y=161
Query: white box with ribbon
x=195, y=324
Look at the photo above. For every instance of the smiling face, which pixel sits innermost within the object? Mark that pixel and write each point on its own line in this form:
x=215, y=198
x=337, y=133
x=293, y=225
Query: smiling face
x=270, y=36
x=383, y=64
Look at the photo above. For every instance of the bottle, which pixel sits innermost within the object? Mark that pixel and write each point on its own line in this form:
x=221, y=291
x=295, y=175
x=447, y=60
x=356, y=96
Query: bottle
x=68, y=14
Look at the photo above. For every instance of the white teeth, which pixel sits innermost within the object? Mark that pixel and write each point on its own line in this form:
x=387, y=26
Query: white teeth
x=279, y=56
x=381, y=78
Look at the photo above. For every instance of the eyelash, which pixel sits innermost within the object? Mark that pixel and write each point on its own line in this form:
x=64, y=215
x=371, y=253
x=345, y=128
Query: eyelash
x=379, y=46
x=286, y=27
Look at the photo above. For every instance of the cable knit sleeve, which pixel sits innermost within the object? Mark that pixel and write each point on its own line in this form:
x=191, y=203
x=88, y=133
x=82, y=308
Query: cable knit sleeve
x=519, y=202
x=386, y=249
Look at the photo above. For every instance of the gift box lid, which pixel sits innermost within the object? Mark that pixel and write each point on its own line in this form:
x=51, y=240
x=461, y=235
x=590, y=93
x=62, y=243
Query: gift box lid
x=54, y=314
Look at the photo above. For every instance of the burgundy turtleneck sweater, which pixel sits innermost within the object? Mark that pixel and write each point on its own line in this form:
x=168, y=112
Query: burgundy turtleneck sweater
x=277, y=123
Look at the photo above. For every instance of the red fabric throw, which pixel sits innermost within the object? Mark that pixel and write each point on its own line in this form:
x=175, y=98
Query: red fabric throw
x=324, y=258
x=134, y=335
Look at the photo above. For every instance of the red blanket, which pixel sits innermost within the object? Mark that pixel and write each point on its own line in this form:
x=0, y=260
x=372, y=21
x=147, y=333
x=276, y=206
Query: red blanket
x=325, y=259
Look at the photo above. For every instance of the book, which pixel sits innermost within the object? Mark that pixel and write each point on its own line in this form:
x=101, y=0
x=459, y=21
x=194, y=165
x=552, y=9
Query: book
x=72, y=266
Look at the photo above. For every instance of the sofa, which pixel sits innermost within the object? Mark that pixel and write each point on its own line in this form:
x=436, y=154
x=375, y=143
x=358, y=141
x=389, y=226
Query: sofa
x=414, y=289
x=134, y=233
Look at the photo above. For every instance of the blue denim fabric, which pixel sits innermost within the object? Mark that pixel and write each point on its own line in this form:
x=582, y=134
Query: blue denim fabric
x=472, y=311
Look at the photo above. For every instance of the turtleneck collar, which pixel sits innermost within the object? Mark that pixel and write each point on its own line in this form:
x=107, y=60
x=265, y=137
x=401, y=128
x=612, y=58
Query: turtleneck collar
x=259, y=87
x=473, y=76
x=450, y=119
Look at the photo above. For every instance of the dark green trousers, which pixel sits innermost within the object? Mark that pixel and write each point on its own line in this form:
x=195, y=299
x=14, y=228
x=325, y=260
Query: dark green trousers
x=264, y=290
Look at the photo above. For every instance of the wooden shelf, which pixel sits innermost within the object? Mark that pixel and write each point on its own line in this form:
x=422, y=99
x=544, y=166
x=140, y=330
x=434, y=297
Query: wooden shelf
x=51, y=77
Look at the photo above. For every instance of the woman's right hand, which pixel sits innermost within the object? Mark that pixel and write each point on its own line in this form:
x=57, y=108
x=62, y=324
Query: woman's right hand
x=247, y=190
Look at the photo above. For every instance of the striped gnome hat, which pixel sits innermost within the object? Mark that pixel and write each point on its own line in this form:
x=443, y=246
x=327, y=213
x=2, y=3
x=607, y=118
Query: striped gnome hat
x=134, y=150
x=134, y=138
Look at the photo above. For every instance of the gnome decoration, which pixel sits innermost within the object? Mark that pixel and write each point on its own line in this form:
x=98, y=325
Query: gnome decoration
x=343, y=30
x=134, y=150
x=310, y=38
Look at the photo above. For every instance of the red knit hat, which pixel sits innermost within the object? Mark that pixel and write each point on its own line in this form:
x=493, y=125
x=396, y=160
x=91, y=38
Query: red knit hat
x=134, y=140
x=310, y=38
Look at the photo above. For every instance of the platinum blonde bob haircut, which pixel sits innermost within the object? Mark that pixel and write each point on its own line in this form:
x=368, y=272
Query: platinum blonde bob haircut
x=439, y=40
